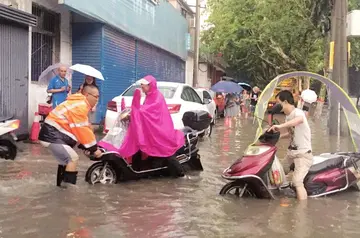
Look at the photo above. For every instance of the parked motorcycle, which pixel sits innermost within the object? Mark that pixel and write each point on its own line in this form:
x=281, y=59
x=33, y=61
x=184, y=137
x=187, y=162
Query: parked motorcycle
x=112, y=168
x=8, y=148
x=255, y=175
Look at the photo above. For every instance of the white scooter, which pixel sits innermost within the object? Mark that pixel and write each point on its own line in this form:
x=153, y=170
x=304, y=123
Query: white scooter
x=8, y=148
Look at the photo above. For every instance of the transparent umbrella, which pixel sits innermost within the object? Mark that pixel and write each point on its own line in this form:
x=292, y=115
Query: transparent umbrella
x=51, y=72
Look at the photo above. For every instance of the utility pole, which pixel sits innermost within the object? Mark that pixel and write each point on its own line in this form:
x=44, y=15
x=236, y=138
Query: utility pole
x=344, y=129
x=196, y=44
x=340, y=70
x=333, y=120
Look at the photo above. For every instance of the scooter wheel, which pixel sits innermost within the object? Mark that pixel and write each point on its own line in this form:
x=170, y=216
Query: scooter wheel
x=101, y=172
x=8, y=150
x=238, y=189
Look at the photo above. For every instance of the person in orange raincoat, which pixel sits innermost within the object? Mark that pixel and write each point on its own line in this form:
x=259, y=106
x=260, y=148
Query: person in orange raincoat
x=67, y=125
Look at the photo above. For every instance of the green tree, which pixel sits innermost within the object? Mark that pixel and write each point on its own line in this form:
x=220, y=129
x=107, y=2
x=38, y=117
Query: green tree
x=264, y=38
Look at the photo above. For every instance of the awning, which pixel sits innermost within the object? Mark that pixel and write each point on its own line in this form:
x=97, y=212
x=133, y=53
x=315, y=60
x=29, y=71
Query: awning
x=15, y=15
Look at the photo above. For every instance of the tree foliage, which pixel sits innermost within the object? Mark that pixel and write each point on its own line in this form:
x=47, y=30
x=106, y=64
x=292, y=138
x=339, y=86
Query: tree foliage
x=264, y=38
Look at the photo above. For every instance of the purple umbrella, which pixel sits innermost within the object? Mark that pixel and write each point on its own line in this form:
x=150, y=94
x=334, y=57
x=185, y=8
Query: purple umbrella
x=227, y=87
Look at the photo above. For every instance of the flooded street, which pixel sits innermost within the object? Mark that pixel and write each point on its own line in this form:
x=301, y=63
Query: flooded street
x=32, y=206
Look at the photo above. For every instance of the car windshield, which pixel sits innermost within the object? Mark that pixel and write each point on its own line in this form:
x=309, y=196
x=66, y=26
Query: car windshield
x=167, y=91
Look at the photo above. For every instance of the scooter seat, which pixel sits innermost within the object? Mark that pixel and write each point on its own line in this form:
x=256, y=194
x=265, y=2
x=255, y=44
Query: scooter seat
x=3, y=119
x=335, y=162
x=332, y=163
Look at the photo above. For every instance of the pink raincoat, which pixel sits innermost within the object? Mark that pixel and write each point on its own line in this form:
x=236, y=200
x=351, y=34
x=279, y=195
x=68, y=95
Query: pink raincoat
x=151, y=129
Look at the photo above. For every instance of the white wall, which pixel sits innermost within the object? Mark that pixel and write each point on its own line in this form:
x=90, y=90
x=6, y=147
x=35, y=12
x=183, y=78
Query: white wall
x=203, y=80
x=189, y=71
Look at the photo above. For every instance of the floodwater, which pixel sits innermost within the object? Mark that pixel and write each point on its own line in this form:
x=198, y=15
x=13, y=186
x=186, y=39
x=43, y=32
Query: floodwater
x=32, y=206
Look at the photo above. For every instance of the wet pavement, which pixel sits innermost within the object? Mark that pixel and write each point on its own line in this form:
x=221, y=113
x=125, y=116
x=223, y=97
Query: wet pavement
x=31, y=205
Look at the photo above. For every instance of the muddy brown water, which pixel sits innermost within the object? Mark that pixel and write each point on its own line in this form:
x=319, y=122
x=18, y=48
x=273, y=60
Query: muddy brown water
x=31, y=206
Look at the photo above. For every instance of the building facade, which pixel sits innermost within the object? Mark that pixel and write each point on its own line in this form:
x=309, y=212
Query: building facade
x=14, y=63
x=186, y=11
x=125, y=40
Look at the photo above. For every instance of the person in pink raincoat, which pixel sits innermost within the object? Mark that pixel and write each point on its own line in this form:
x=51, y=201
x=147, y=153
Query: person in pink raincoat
x=151, y=129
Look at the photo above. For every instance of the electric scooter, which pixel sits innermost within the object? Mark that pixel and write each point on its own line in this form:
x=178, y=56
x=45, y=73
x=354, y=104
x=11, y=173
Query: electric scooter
x=8, y=148
x=254, y=175
x=112, y=167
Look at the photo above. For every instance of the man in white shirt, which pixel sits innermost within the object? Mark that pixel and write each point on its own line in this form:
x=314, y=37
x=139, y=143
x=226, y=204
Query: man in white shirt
x=299, y=151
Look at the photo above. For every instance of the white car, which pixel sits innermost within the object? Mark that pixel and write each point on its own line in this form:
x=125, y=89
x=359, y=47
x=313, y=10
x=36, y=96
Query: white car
x=179, y=97
x=207, y=97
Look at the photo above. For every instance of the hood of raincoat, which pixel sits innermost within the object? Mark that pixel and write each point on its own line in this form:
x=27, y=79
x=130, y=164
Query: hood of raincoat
x=151, y=129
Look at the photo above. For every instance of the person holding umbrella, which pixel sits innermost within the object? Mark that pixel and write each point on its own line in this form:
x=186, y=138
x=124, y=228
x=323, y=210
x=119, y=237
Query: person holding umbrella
x=89, y=80
x=59, y=87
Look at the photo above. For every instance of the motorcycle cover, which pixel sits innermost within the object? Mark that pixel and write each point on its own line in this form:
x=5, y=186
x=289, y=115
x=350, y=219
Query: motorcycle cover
x=335, y=91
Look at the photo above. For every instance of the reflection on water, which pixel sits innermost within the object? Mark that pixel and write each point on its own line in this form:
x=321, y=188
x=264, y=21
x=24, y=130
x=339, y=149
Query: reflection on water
x=31, y=206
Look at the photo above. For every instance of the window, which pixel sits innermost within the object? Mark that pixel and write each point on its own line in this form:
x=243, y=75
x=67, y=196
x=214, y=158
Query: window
x=45, y=43
x=195, y=96
x=185, y=95
x=167, y=92
x=206, y=95
x=190, y=95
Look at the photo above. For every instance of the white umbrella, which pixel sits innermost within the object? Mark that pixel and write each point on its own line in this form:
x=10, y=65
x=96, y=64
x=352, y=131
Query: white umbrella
x=87, y=70
x=51, y=72
x=309, y=96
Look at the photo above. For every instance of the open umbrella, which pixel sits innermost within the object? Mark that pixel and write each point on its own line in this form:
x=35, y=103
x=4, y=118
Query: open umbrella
x=51, y=71
x=87, y=70
x=245, y=86
x=309, y=96
x=227, y=87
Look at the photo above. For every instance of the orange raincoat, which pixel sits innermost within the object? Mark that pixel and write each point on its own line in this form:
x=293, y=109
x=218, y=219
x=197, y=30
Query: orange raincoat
x=69, y=124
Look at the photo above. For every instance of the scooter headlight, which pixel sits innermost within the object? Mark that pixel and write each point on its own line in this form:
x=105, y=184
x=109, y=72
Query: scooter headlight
x=227, y=170
x=252, y=150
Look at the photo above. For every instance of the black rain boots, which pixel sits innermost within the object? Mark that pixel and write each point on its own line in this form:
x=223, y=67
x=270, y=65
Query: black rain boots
x=70, y=177
x=65, y=176
x=60, y=174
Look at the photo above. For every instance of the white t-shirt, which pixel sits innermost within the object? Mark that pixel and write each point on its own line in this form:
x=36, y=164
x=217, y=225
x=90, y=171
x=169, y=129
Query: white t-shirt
x=301, y=134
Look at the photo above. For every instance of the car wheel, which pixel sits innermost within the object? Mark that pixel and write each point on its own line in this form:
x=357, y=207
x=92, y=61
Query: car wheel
x=215, y=118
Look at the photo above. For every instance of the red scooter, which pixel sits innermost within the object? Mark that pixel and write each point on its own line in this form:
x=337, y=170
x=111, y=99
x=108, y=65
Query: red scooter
x=254, y=175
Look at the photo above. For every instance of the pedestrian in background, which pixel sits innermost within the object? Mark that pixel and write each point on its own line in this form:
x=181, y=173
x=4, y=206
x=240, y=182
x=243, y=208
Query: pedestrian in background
x=59, y=87
x=254, y=98
x=231, y=108
x=245, y=104
x=89, y=80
